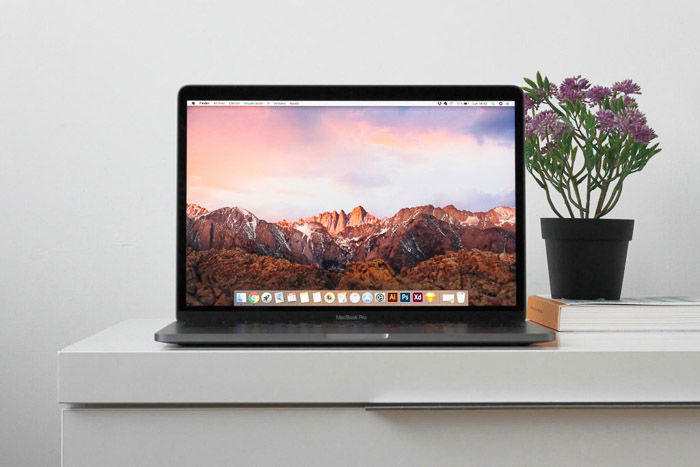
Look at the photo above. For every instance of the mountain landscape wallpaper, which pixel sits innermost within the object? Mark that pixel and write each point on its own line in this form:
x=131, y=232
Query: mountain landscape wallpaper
x=349, y=198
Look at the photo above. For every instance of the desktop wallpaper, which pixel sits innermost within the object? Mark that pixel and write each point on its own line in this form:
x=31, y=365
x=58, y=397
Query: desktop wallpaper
x=350, y=198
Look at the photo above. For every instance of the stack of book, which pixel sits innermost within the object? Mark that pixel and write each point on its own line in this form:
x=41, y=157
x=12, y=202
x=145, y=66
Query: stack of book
x=633, y=314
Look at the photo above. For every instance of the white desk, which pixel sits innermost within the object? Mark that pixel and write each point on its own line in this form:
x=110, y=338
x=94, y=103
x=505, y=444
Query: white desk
x=589, y=399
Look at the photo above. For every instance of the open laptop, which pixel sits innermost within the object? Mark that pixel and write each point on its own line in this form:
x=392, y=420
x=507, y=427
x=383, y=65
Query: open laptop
x=350, y=215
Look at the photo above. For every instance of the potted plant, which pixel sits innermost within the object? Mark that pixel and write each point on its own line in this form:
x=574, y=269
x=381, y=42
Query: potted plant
x=581, y=144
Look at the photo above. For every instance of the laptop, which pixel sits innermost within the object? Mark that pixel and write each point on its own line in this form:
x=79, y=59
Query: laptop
x=351, y=215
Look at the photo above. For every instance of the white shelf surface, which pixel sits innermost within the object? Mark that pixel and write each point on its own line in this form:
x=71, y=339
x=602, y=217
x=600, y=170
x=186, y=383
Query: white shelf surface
x=124, y=365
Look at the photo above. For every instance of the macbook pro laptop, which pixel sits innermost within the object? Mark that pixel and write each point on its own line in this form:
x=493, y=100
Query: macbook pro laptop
x=350, y=215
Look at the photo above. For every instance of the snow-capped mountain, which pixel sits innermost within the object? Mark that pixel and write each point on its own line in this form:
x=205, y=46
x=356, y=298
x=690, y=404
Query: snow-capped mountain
x=195, y=210
x=332, y=239
x=335, y=222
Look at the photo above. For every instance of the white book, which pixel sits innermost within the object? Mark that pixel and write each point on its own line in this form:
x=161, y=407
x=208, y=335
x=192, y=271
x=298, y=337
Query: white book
x=626, y=314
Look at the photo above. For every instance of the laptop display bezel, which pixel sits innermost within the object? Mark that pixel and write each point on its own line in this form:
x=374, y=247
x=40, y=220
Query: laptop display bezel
x=217, y=314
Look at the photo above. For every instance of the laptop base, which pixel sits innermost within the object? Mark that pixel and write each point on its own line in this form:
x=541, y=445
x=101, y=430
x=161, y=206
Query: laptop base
x=346, y=334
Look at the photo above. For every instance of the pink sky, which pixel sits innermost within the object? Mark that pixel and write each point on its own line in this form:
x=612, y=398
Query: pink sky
x=281, y=162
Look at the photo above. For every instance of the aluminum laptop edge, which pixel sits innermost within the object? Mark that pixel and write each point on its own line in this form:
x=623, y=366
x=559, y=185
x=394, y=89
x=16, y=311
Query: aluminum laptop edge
x=351, y=216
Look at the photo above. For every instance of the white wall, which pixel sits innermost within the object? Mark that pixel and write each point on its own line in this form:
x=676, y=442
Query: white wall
x=87, y=141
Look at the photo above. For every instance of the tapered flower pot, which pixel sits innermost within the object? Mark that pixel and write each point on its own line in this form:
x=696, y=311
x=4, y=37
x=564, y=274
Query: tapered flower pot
x=586, y=257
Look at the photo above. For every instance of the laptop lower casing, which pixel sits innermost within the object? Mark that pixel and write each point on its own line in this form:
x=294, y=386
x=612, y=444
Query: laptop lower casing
x=355, y=334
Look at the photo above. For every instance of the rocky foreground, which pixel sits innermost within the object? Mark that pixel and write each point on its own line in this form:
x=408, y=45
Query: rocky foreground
x=211, y=274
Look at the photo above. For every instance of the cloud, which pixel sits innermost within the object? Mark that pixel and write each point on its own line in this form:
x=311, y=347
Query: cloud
x=363, y=180
x=296, y=162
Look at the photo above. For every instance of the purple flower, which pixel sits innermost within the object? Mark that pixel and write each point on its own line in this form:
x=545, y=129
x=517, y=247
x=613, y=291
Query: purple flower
x=543, y=93
x=551, y=145
x=628, y=101
x=627, y=87
x=545, y=124
x=573, y=89
x=557, y=130
x=597, y=93
x=529, y=130
x=530, y=104
x=632, y=122
x=606, y=119
x=644, y=134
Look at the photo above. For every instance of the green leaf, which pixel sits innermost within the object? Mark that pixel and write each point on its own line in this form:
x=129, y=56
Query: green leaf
x=589, y=157
x=565, y=142
x=533, y=95
x=530, y=82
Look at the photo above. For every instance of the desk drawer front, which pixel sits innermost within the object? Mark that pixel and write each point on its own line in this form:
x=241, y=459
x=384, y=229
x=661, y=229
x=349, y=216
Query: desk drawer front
x=353, y=436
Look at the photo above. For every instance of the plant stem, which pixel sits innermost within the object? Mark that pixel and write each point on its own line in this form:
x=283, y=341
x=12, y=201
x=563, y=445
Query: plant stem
x=614, y=198
x=601, y=199
x=576, y=191
x=551, y=203
x=588, y=196
x=559, y=186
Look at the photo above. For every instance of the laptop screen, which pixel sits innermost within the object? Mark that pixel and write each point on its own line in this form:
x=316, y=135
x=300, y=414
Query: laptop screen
x=350, y=203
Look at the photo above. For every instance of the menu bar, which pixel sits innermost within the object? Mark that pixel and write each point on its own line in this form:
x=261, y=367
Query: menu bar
x=282, y=103
x=350, y=297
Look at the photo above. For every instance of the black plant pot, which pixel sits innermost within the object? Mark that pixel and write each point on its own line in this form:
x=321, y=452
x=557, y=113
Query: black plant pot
x=586, y=257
